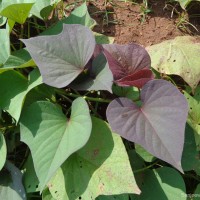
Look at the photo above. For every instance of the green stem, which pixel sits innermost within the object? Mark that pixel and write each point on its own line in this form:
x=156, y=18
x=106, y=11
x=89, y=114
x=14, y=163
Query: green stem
x=145, y=168
x=59, y=91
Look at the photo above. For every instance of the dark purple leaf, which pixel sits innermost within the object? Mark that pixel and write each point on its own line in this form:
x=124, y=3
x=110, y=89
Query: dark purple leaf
x=126, y=62
x=158, y=125
x=137, y=79
x=61, y=58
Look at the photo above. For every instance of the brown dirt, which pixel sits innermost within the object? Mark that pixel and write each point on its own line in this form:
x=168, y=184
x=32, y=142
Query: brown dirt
x=123, y=21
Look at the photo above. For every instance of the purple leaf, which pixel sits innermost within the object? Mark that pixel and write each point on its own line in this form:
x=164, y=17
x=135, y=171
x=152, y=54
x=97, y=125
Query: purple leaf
x=61, y=58
x=127, y=62
x=158, y=125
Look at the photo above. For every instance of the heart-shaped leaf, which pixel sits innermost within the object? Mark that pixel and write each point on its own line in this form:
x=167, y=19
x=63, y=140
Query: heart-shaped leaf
x=51, y=137
x=61, y=58
x=158, y=125
x=99, y=76
x=100, y=167
x=126, y=63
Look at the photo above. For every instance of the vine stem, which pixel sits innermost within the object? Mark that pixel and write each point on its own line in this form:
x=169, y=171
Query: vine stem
x=60, y=91
x=145, y=168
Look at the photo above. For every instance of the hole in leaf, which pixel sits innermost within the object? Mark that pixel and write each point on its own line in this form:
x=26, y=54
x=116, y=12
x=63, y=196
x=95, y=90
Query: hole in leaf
x=79, y=198
x=81, y=166
x=36, y=186
x=55, y=192
x=29, y=186
x=190, y=108
x=174, y=60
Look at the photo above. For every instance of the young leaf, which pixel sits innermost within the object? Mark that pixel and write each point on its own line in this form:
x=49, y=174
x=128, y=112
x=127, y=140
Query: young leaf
x=158, y=125
x=179, y=56
x=100, y=77
x=3, y=151
x=101, y=167
x=14, y=88
x=51, y=137
x=130, y=64
x=61, y=58
x=11, y=187
x=163, y=183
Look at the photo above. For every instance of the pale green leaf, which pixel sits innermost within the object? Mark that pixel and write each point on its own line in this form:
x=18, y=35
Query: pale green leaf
x=3, y=151
x=4, y=46
x=179, y=56
x=103, y=39
x=51, y=137
x=101, y=167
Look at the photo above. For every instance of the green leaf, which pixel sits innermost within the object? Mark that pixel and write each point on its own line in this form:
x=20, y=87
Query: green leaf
x=30, y=179
x=103, y=39
x=164, y=183
x=4, y=46
x=3, y=151
x=194, y=113
x=129, y=92
x=79, y=16
x=190, y=157
x=13, y=90
x=51, y=137
x=101, y=167
x=11, y=187
x=16, y=10
x=144, y=154
x=184, y=3
x=42, y=9
x=179, y=56
x=18, y=59
x=2, y=20
x=115, y=197
x=46, y=195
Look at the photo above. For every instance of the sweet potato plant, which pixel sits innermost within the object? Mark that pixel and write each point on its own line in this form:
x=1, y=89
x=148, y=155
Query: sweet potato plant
x=82, y=118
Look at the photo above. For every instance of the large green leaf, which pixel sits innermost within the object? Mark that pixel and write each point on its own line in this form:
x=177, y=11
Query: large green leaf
x=164, y=184
x=13, y=90
x=11, y=187
x=4, y=46
x=16, y=10
x=79, y=16
x=194, y=113
x=3, y=151
x=179, y=56
x=51, y=137
x=101, y=167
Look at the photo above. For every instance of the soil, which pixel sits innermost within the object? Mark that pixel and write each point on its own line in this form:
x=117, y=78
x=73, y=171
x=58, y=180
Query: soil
x=126, y=23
